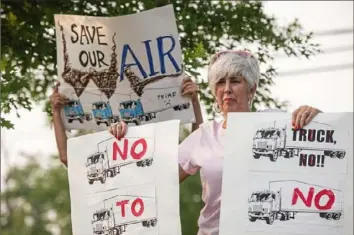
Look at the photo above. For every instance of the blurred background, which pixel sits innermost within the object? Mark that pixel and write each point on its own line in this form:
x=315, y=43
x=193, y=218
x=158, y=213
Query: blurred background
x=306, y=54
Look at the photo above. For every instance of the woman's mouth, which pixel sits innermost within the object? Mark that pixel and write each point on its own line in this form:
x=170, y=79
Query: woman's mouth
x=228, y=100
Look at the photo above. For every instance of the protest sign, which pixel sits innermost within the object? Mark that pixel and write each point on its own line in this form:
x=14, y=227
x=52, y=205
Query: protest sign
x=129, y=186
x=278, y=180
x=121, y=68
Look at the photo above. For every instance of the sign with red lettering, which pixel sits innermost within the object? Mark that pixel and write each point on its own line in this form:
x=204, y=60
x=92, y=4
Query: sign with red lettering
x=112, y=73
x=127, y=185
x=286, y=181
x=312, y=200
x=134, y=151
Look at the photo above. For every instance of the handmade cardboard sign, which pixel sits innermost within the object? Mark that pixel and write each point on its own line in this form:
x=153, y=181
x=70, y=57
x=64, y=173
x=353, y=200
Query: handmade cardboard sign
x=278, y=180
x=128, y=186
x=121, y=68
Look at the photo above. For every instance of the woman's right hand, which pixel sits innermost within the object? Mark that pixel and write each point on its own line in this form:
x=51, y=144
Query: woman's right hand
x=57, y=100
x=119, y=130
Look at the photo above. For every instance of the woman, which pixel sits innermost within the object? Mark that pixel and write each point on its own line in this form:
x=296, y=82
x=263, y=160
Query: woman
x=233, y=78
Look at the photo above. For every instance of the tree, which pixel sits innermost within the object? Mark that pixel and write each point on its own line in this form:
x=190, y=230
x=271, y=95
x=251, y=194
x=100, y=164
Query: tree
x=35, y=201
x=28, y=52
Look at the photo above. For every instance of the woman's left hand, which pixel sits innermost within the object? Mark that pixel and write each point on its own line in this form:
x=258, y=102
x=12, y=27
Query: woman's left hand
x=189, y=88
x=303, y=116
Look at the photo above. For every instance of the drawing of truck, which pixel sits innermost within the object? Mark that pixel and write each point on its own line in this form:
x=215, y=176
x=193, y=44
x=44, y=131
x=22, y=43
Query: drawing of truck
x=276, y=202
x=102, y=112
x=74, y=111
x=181, y=107
x=99, y=165
x=133, y=111
x=274, y=142
x=109, y=219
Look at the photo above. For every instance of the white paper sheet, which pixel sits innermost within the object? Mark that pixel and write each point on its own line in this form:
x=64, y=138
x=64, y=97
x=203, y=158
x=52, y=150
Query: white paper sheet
x=93, y=54
x=280, y=194
x=130, y=185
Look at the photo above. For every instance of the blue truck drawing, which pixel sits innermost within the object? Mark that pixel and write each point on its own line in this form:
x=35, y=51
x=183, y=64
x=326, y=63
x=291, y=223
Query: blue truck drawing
x=133, y=111
x=74, y=111
x=102, y=113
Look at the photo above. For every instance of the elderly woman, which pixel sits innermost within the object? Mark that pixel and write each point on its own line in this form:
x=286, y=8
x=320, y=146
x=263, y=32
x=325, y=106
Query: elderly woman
x=233, y=78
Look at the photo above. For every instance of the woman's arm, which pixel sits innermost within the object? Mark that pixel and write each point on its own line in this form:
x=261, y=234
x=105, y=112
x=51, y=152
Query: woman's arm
x=197, y=113
x=189, y=88
x=182, y=174
x=58, y=101
x=60, y=137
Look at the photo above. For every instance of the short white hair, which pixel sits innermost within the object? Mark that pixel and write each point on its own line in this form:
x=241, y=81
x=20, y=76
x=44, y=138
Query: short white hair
x=233, y=63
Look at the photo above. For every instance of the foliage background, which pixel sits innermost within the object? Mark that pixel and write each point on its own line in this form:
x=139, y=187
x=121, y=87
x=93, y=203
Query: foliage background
x=36, y=198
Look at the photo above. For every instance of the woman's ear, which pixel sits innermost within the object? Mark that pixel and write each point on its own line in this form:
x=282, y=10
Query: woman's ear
x=252, y=91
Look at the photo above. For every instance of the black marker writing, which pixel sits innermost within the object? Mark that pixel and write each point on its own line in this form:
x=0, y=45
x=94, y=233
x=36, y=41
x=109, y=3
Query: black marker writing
x=312, y=135
x=166, y=96
x=311, y=160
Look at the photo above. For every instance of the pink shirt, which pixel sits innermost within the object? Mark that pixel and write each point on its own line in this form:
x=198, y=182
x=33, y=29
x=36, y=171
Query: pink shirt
x=203, y=151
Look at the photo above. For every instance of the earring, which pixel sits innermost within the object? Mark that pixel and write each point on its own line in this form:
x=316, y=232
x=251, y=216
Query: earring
x=216, y=107
x=250, y=102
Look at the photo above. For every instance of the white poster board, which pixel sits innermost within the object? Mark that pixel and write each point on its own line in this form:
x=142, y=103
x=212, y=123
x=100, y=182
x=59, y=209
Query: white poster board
x=285, y=182
x=129, y=186
x=126, y=68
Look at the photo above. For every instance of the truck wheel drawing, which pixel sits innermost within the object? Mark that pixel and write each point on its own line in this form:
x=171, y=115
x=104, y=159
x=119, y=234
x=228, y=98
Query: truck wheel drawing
x=109, y=219
x=181, y=107
x=102, y=113
x=274, y=142
x=99, y=165
x=74, y=112
x=132, y=111
x=281, y=201
x=105, y=80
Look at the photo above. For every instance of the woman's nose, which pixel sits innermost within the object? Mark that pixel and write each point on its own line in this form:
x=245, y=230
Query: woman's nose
x=227, y=87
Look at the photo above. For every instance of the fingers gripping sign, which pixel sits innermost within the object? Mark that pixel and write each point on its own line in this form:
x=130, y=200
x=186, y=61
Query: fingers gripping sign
x=303, y=116
x=119, y=130
x=189, y=88
x=57, y=100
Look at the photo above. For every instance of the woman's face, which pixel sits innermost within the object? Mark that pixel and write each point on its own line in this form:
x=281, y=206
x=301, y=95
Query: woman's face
x=233, y=94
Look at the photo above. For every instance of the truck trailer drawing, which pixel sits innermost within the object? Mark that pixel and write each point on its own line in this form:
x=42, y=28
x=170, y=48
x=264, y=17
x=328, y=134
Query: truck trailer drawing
x=274, y=142
x=74, y=112
x=110, y=220
x=102, y=113
x=278, y=202
x=132, y=111
x=100, y=166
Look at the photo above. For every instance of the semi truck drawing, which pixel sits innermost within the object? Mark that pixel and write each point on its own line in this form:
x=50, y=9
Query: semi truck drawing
x=74, y=112
x=99, y=165
x=278, y=202
x=181, y=107
x=132, y=111
x=274, y=142
x=102, y=112
x=111, y=220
